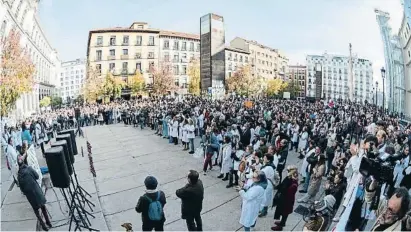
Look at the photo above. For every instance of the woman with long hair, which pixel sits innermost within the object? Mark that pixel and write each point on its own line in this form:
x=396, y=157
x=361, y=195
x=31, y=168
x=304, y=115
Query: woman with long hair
x=285, y=198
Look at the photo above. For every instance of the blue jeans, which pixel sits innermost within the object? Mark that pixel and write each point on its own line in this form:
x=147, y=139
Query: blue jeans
x=191, y=141
x=307, y=181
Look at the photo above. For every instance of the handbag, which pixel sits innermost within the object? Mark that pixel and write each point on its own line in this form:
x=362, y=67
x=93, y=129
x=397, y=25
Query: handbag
x=276, y=199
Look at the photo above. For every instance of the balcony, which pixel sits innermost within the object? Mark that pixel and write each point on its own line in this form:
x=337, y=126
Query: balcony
x=98, y=45
x=150, y=57
x=124, y=57
x=111, y=57
x=184, y=60
x=166, y=48
x=125, y=44
x=123, y=72
x=97, y=59
x=175, y=61
x=137, y=56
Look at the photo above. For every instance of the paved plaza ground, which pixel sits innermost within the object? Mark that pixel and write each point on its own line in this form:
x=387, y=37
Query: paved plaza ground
x=123, y=157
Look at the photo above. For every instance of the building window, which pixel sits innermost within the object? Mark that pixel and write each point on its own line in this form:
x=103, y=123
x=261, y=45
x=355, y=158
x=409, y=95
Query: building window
x=138, y=66
x=99, y=40
x=151, y=65
x=198, y=47
x=230, y=56
x=184, y=70
x=166, y=57
x=3, y=29
x=112, y=52
x=98, y=55
x=125, y=52
x=98, y=68
x=125, y=67
x=175, y=70
x=112, y=66
x=184, y=46
x=191, y=46
x=151, y=55
x=175, y=47
x=229, y=74
x=23, y=16
x=18, y=8
x=112, y=40
x=125, y=40
x=139, y=40
x=246, y=59
x=166, y=44
x=241, y=58
x=151, y=41
x=138, y=55
x=175, y=58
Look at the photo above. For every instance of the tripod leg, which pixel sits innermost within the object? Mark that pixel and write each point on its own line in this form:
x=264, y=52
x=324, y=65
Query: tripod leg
x=71, y=207
x=79, y=207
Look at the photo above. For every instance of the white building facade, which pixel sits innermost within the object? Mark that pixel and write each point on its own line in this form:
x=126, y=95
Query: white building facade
x=22, y=16
x=179, y=49
x=71, y=79
x=405, y=38
x=335, y=77
x=394, y=90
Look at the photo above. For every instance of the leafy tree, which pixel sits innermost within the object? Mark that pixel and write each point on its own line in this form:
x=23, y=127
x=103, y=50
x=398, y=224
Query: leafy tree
x=56, y=101
x=79, y=99
x=275, y=86
x=112, y=86
x=45, y=101
x=293, y=89
x=163, y=79
x=16, y=71
x=93, y=85
x=136, y=83
x=194, y=75
x=243, y=83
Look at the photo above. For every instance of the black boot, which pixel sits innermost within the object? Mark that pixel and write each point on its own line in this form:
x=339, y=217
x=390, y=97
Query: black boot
x=226, y=177
x=220, y=176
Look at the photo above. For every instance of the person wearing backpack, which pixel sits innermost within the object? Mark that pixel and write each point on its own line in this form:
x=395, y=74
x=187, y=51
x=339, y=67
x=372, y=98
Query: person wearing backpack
x=192, y=196
x=151, y=206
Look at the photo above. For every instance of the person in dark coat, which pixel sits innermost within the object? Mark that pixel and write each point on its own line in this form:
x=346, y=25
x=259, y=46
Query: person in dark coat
x=27, y=179
x=192, y=196
x=143, y=205
x=285, y=203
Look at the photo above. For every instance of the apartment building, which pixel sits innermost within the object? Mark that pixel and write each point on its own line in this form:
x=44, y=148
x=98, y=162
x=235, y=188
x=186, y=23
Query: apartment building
x=72, y=78
x=22, y=16
x=125, y=51
x=335, y=77
x=297, y=74
x=266, y=62
x=234, y=59
x=405, y=45
x=394, y=65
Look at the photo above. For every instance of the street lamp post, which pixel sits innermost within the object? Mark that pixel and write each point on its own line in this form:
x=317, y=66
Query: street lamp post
x=383, y=87
x=376, y=91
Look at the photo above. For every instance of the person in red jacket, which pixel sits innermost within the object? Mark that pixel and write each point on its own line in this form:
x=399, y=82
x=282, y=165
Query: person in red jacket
x=286, y=199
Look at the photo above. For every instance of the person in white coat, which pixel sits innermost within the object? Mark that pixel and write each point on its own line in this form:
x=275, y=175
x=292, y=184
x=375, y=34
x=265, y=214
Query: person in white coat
x=239, y=154
x=30, y=158
x=303, y=170
x=269, y=172
x=252, y=199
x=12, y=158
x=294, y=139
x=227, y=161
x=40, y=134
x=190, y=128
x=174, y=130
x=302, y=144
x=399, y=168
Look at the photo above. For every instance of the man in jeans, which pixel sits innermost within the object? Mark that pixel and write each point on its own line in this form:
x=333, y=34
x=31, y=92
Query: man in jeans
x=192, y=196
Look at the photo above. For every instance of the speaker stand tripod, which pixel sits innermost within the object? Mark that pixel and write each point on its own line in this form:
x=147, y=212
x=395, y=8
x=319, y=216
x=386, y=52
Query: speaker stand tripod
x=82, y=192
x=76, y=211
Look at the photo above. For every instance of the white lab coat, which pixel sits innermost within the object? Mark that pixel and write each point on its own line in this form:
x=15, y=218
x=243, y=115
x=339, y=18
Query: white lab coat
x=227, y=162
x=305, y=164
x=190, y=131
x=251, y=205
x=12, y=158
x=303, y=140
x=239, y=155
x=174, y=129
x=33, y=162
x=399, y=168
x=185, y=131
x=268, y=193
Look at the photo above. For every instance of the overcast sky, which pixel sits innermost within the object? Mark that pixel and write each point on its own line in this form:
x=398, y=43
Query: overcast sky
x=296, y=27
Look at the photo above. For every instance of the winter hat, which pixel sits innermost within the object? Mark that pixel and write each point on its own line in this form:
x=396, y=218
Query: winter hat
x=150, y=182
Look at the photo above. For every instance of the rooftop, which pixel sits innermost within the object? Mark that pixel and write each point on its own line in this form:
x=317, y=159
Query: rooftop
x=236, y=50
x=180, y=34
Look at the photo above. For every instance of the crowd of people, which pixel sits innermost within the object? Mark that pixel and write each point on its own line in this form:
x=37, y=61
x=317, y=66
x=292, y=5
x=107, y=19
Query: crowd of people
x=249, y=142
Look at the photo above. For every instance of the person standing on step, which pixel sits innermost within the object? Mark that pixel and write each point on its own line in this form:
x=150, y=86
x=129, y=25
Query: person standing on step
x=227, y=161
x=27, y=179
x=192, y=196
x=151, y=206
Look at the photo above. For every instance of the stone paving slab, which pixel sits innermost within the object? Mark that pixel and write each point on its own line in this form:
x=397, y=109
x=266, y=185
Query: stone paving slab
x=123, y=156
